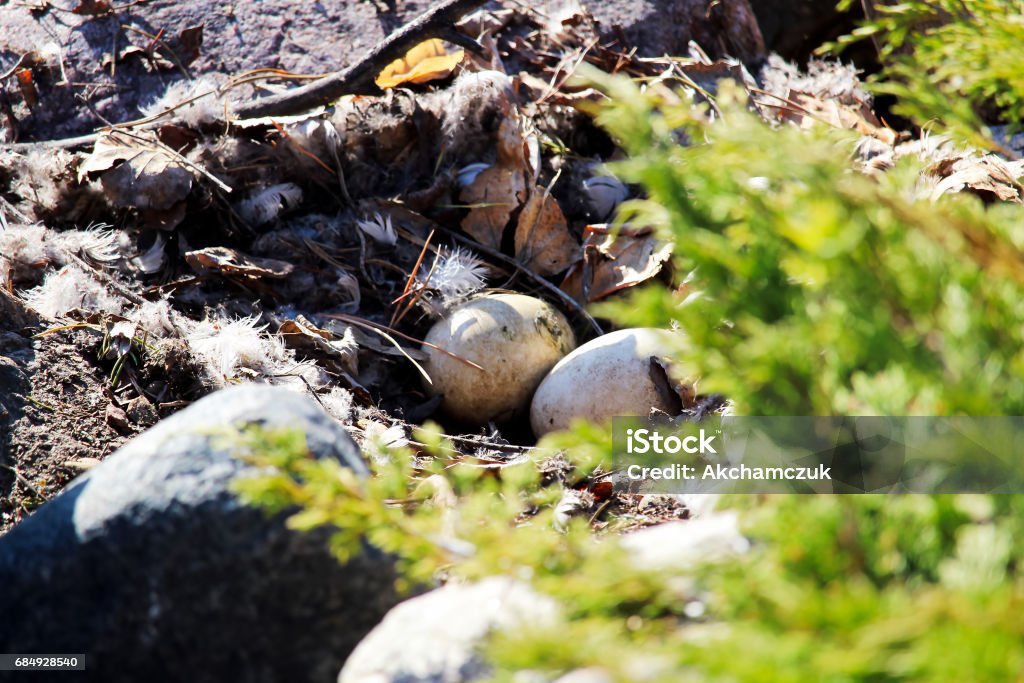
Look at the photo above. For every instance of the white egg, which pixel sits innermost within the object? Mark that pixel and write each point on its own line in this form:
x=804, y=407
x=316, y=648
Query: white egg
x=606, y=377
x=515, y=339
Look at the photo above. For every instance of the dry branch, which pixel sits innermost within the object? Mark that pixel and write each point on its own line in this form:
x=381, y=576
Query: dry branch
x=358, y=78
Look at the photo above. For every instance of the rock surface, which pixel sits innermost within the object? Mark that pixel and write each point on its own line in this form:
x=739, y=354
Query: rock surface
x=103, y=57
x=96, y=57
x=435, y=638
x=679, y=546
x=665, y=27
x=150, y=565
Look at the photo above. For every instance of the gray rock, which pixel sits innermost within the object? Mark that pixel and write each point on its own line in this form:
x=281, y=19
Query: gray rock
x=152, y=567
x=680, y=546
x=795, y=28
x=97, y=58
x=75, y=51
x=435, y=638
x=665, y=27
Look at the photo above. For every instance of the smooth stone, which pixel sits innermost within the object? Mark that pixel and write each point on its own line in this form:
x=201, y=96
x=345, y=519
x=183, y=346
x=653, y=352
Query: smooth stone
x=151, y=566
x=436, y=637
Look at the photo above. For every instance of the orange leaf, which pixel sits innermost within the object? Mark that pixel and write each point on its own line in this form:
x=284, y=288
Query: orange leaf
x=427, y=61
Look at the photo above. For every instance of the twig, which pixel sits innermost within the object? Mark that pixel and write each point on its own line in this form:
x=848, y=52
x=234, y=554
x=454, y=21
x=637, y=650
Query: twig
x=380, y=329
x=17, y=65
x=358, y=78
x=395, y=317
x=23, y=481
x=156, y=41
x=537, y=279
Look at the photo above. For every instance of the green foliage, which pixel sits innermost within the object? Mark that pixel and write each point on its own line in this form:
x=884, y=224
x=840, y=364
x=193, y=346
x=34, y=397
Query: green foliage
x=812, y=289
x=859, y=588
x=947, y=59
x=818, y=290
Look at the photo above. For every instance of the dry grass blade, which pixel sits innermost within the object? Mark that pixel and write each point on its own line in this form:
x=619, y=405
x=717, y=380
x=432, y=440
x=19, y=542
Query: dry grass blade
x=362, y=322
x=367, y=325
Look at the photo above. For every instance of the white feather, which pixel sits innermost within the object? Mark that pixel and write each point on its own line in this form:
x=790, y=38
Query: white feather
x=455, y=275
x=209, y=106
x=70, y=288
x=379, y=229
x=267, y=204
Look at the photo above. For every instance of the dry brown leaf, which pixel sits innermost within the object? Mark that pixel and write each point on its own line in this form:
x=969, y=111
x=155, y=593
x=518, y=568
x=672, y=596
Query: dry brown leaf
x=229, y=262
x=542, y=241
x=92, y=7
x=191, y=42
x=494, y=196
x=987, y=176
x=312, y=342
x=815, y=110
x=27, y=85
x=512, y=148
x=613, y=262
x=136, y=172
x=498, y=191
x=427, y=61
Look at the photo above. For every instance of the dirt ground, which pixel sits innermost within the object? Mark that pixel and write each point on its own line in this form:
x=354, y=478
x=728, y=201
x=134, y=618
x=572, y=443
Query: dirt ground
x=55, y=426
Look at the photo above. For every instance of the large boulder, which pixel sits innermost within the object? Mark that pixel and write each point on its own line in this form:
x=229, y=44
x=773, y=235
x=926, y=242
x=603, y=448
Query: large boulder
x=112, y=60
x=666, y=27
x=151, y=566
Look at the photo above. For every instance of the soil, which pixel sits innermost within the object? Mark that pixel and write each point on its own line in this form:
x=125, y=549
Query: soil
x=55, y=398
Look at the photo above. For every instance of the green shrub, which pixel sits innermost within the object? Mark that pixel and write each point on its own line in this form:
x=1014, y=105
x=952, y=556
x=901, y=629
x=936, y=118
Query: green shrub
x=818, y=290
x=946, y=60
x=812, y=289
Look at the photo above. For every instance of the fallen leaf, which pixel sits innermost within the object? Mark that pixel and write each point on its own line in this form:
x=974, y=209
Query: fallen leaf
x=163, y=219
x=815, y=110
x=177, y=138
x=190, y=41
x=427, y=61
x=542, y=241
x=612, y=262
x=987, y=176
x=340, y=355
x=229, y=262
x=137, y=172
x=92, y=7
x=494, y=196
x=27, y=86
x=512, y=147
x=602, y=490
x=497, y=192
